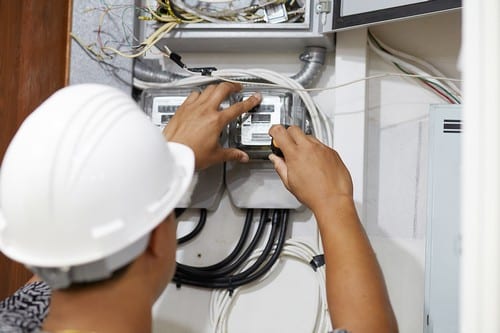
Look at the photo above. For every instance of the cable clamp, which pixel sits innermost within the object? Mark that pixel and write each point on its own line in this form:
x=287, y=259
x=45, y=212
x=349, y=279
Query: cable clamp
x=204, y=71
x=230, y=288
x=317, y=261
x=324, y=6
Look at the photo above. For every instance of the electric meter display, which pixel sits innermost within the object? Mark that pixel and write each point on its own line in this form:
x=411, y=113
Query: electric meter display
x=164, y=107
x=160, y=105
x=255, y=125
x=250, y=131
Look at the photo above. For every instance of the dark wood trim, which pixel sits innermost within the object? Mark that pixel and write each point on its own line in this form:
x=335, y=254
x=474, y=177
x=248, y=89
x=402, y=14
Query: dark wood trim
x=34, y=63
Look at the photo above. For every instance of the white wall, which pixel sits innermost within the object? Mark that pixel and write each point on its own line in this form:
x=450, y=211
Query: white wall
x=397, y=158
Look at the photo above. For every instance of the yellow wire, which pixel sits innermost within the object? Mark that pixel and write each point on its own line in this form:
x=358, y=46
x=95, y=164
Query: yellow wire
x=148, y=42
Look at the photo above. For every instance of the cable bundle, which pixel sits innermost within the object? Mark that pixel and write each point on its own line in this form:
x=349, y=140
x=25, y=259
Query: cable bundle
x=223, y=12
x=320, y=123
x=426, y=75
x=228, y=273
x=222, y=301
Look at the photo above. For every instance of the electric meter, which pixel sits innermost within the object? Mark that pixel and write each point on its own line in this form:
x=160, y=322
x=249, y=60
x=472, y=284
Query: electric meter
x=249, y=132
x=160, y=105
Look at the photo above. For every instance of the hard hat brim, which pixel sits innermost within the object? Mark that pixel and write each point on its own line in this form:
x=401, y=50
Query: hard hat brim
x=184, y=159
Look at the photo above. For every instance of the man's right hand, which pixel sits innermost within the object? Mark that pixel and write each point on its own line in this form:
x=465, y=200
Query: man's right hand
x=312, y=171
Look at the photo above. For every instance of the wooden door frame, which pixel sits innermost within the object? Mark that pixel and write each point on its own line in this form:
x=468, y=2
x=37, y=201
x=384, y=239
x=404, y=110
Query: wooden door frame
x=34, y=63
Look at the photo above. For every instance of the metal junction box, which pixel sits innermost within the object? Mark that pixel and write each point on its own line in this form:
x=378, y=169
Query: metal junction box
x=443, y=223
x=273, y=34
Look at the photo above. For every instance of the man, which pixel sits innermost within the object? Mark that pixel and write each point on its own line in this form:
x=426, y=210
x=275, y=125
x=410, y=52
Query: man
x=100, y=193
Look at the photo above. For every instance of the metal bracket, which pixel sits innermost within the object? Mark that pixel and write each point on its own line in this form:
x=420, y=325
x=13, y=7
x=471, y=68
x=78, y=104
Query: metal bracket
x=324, y=6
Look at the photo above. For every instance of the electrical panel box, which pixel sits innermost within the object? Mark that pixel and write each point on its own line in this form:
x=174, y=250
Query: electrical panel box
x=160, y=105
x=356, y=13
x=443, y=223
x=243, y=25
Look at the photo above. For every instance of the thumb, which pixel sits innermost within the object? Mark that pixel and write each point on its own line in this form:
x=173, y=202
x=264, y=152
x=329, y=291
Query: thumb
x=233, y=154
x=281, y=168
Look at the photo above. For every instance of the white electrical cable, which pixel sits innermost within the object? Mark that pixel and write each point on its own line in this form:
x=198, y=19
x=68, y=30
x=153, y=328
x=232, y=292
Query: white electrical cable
x=433, y=70
x=320, y=122
x=222, y=301
x=411, y=68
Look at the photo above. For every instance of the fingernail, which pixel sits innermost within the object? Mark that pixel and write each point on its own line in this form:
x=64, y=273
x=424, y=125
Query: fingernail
x=244, y=159
x=257, y=95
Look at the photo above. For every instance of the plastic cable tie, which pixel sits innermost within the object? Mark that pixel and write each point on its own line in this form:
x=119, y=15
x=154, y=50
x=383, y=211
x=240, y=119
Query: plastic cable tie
x=204, y=71
x=230, y=287
x=317, y=261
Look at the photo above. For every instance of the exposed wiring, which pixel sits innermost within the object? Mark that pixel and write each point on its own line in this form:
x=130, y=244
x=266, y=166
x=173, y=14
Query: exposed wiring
x=443, y=87
x=222, y=12
x=426, y=65
x=222, y=301
x=102, y=50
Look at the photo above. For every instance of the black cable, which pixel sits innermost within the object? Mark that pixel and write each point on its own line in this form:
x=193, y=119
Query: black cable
x=237, y=249
x=258, y=268
x=179, y=212
x=196, y=230
x=225, y=266
x=241, y=242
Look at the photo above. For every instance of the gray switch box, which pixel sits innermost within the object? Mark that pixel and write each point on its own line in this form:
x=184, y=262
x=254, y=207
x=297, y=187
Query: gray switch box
x=443, y=224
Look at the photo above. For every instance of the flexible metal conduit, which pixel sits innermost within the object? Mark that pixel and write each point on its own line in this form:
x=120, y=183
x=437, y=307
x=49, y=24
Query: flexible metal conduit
x=313, y=59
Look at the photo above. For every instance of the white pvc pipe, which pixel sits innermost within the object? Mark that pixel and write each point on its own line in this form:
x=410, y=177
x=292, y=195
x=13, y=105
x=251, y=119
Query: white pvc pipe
x=480, y=265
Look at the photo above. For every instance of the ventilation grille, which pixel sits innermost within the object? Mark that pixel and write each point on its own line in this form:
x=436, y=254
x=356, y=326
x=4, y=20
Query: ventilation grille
x=452, y=126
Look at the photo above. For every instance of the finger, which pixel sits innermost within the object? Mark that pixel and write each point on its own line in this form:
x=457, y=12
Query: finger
x=282, y=139
x=233, y=154
x=222, y=92
x=207, y=93
x=297, y=134
x=241, y=107
x=281, y=168
x=193, y=96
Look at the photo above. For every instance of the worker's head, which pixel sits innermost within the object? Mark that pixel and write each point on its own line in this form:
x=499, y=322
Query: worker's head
x=85, y=186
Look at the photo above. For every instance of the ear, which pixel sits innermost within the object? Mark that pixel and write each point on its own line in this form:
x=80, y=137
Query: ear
x=160, y=237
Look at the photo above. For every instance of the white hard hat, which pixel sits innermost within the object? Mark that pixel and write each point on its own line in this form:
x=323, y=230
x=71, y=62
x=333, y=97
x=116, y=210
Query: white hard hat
x=86, y=176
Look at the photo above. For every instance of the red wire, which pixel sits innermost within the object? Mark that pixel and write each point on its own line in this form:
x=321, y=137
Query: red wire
x=430, y=85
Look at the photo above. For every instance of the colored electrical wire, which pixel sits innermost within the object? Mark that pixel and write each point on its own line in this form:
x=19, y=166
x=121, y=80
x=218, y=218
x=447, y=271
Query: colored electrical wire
x=426, y=65
x=168, y=10
x=444, y=88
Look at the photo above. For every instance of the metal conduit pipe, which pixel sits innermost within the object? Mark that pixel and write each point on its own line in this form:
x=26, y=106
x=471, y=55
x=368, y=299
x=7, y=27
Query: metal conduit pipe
x=313, y=58
x=146, y=71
